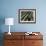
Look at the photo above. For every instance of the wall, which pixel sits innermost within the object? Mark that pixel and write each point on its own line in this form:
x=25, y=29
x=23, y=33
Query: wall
x=9, y=8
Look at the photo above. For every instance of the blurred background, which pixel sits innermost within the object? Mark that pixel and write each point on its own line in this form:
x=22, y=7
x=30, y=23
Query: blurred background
x=9, y=8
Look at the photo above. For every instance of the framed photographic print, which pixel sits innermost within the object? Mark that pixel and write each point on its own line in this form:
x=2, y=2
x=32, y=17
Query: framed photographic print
x=27, y=15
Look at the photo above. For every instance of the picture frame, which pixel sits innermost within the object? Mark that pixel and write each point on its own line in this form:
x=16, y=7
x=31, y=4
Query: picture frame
x=27, y=16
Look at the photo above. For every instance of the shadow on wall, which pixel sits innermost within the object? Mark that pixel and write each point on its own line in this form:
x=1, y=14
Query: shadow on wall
x=2, y=21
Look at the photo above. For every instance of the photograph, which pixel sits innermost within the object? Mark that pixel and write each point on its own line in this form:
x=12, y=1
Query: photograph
x=27, y=15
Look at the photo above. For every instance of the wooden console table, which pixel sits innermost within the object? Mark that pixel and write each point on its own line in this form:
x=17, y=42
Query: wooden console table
x=20, y=39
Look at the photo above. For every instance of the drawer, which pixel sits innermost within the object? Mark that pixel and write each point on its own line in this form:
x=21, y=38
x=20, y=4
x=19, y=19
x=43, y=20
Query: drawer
x=34, y=37
x=13, y=43
x=37, y=43
x=9, y=43
x=33, y=43
x=16, y=37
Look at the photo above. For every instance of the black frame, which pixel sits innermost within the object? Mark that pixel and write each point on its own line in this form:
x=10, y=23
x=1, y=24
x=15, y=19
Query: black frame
x=32, y=13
